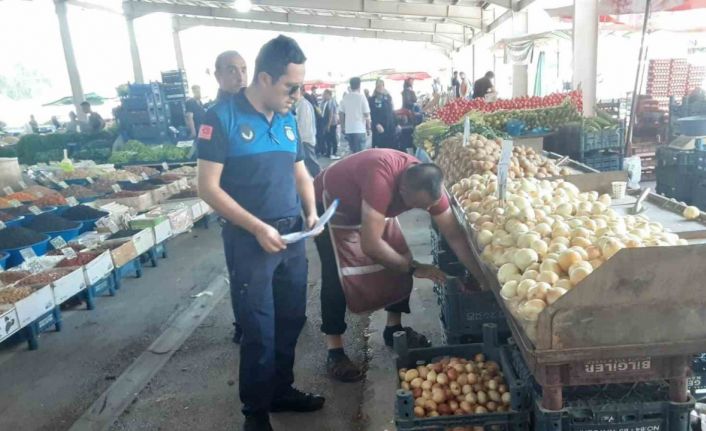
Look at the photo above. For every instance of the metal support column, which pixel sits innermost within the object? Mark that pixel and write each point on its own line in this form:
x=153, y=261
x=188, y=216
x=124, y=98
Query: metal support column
x=520, y=74
x=586, y=51
x=72, y=69
x=134, y=51
x=177, y=45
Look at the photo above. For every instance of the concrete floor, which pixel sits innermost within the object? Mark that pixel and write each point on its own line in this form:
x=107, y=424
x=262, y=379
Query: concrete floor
x=51, y=388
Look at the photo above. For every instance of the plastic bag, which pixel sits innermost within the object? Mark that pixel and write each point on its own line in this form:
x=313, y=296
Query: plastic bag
x=634, y=167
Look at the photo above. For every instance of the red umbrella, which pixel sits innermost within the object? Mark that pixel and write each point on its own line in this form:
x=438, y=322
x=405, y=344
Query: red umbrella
x=401, y=76
x=318, y=84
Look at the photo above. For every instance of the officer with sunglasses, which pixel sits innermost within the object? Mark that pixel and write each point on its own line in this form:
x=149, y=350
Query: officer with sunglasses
x=251, y=171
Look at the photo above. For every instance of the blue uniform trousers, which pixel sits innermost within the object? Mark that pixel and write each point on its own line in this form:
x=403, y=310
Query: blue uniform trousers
x=270, y=292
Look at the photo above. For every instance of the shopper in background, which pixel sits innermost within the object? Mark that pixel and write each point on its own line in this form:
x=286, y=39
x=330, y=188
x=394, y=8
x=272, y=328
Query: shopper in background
x=382, y=116
x=372, y=259
x=306, y=124
x=355, y=117
x=231, y=74
x=483, y=86
x=33, y=125
x=409, y=97
x=251, y=171
x=55, y=122
x=465, y=89
x=95, y=121
x=330, y=121
x=436, y=87
x=455, y=86
x=72, y=125
x=194, y=111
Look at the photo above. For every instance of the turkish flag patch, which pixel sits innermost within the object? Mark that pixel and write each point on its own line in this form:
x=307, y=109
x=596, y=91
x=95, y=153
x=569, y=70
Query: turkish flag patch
x=205, y=132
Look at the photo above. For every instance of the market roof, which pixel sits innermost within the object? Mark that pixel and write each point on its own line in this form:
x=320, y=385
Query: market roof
x=449, y=24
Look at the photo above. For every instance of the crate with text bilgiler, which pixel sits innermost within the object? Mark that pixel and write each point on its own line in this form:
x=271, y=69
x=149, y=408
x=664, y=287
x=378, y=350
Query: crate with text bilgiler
x=499, y=400
x=465, y=308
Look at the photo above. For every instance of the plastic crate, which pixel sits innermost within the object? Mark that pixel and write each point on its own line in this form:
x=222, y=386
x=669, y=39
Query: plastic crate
x=463, y=313
x=603, y=161
x=674, y=184
x=602, y=140
x=517, y=419
x=636, y=407
x=684, y=160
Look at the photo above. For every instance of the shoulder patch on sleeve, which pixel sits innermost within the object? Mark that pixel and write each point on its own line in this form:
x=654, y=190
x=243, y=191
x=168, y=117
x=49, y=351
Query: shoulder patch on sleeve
x=205, y=132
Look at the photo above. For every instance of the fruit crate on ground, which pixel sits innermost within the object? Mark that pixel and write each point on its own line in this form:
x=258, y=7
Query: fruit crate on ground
x=604, y=161
x=602, y=140
x=698, y=196
x=683, y=160
x=675, y=184
x=474, y=357
x=465, y=309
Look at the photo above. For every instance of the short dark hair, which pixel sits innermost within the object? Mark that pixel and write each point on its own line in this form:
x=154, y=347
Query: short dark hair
x=489, y=74
x=276, y=55
x=355, y=83
x=85, y=103
x=327, y=91
x=426, y=177
x=225, y=55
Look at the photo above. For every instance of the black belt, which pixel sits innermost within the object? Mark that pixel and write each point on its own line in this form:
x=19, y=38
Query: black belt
x=281, y=224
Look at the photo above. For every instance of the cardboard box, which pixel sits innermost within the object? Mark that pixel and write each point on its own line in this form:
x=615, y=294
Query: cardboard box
x=160, y=194
x=98, y=268
x=9, y=322
x=123, y=253
x=159, y=224
x=143, y=240
x=140, y=203
x=162, y=231
x=35, y=305
x=69, y=285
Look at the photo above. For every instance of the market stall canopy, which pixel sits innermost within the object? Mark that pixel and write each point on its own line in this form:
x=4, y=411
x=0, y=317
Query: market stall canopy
x=520, y=49
x=321, y=85
x=402, y=76
x=92, y=98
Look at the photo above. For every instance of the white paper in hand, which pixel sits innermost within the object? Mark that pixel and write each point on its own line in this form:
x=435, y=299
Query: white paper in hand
x=317, y=229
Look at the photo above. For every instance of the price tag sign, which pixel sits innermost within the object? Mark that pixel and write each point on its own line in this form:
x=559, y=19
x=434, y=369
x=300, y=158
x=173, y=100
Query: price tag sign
x=63, y=184
x=35, y=210
x=58, y=242
x=133, y=180
x=8, y=190
x=117, y=188
x=22, y=184
x=2, y=225
x=145, y=176
x=503, y=168
x=15, y=203
x=466, y=130
x=89, y=180
x=69, y=253
x=71, y=201
x=35, y=266
x=28, y=254
x=165, y=166
x=107, y=223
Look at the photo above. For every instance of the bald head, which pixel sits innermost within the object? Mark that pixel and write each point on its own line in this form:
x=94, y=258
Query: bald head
x=231, y=71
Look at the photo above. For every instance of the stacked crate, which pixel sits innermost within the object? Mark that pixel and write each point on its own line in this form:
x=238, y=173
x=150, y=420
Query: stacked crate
x=144, y=114
x=176, y=91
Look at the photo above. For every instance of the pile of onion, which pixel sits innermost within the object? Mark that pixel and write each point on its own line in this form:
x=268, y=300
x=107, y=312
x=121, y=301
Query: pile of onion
x=548, y=236
x=481, y=156
x=456, y=386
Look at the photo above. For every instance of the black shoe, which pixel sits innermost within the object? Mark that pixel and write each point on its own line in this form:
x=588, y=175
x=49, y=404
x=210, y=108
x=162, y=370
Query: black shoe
x=343, y=369
x=294, y=400
x=415, y=340
x=238, y=335
x=257, y=422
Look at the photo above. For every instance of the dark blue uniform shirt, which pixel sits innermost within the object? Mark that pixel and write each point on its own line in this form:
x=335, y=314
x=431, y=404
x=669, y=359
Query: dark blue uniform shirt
x=258, y=156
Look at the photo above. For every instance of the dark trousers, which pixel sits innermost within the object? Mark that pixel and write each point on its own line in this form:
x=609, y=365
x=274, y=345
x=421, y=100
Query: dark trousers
x=271, y=308
x=330, y=141
x=333, y=301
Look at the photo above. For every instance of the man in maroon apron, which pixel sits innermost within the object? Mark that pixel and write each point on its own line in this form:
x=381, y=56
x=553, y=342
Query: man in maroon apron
x=365, y=262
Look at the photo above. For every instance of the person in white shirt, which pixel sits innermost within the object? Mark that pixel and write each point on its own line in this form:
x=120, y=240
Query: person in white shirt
x=306, y=124
x=355, y=117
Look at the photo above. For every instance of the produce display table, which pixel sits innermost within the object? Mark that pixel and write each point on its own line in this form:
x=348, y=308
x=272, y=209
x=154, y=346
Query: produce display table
x=638, y=317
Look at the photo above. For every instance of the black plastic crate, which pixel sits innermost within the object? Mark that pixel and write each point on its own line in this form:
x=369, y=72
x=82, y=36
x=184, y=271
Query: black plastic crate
x=674, y=184
x=698, y=195
x=603, y=161
x=517, y=419
x=465, y=311
x=683, y=160
x=628, y=407
x=608, y=139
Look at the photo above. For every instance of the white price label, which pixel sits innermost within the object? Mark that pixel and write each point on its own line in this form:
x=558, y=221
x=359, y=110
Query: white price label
x=35, y=266
x=71, y=201
x=22, y=184
x=58, y=242
x=145, y=176
x=165, y=166
x=89, y=180
x=63, y=184
x=108, y=223
x=35, y=210
x=28, y=253
x=8, y=190
x=15, y=203
x=117, y=188
x=69, y=253
x=466, y=130
x=2, y=225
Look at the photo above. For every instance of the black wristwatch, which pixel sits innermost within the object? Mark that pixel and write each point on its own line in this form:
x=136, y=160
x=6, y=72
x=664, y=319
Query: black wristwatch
x=413, y=265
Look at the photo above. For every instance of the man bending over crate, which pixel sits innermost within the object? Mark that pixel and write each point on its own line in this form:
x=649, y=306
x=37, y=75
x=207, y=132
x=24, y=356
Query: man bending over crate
x=365, y=261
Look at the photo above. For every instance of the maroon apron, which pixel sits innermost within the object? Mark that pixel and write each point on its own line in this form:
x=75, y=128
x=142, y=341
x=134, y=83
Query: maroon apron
x=367, y=285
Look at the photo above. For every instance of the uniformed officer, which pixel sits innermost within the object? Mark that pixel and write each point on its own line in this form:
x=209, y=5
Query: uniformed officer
x=250, y=171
